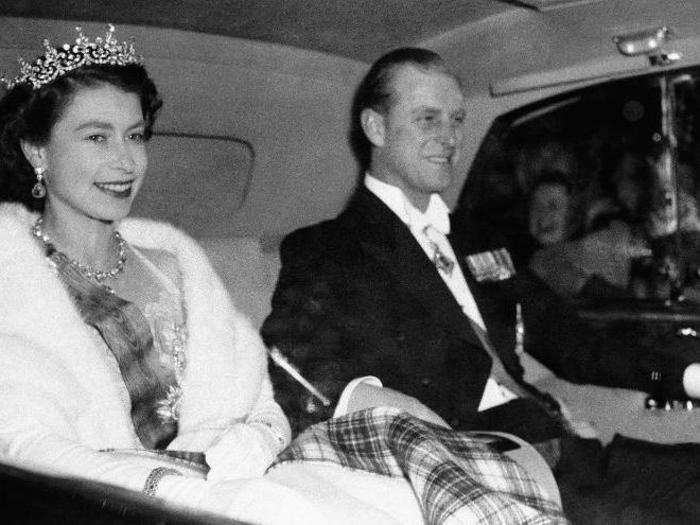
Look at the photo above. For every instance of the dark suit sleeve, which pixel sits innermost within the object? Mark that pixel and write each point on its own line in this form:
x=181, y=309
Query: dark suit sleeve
x=326, y=319
x=576, y=351
x=298, y=320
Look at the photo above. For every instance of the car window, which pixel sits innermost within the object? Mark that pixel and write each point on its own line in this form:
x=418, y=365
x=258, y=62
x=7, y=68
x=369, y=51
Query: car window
x=222, y=168
x=596, y=190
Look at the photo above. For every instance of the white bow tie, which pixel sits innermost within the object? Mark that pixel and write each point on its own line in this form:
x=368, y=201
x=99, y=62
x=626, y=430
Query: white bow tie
x=437, y=216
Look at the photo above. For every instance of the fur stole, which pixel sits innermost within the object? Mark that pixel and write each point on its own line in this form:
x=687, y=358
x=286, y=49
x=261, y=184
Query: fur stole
x=226, y=360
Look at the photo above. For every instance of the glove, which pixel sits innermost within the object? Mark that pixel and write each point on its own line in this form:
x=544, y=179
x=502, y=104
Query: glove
x=242, y=451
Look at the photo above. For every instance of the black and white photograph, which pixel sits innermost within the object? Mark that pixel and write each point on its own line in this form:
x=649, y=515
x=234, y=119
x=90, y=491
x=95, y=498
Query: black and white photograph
x=350, y=262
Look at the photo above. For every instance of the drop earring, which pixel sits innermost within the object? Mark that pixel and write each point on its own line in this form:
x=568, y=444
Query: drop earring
x=39, y=188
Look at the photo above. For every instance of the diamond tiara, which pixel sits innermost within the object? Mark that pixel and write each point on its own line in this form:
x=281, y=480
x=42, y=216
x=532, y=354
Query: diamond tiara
x=59, y=61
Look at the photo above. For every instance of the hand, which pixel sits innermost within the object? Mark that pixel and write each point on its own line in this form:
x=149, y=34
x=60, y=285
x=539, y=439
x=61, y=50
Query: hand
x=691, y=380
x=367, y=396
x=240, y=452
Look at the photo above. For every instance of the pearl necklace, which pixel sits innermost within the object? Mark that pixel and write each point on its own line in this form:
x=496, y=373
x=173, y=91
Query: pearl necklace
x=86, y=270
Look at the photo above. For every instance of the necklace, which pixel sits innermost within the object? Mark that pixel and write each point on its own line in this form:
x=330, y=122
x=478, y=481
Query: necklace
x=87, y=270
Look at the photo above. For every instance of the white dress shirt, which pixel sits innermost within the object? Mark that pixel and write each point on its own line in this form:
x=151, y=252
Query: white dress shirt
x=437, y=216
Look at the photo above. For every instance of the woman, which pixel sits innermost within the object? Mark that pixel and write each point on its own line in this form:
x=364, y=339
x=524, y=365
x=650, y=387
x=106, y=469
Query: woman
x=80, y=300
x=122, y=358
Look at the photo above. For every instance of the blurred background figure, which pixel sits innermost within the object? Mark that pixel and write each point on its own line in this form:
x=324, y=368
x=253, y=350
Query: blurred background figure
x=550, y=217
x=574, y=262
x=625, y=196
x=545, y=156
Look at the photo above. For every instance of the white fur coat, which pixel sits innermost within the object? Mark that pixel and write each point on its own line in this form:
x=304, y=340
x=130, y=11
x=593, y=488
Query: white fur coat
x=61, y=402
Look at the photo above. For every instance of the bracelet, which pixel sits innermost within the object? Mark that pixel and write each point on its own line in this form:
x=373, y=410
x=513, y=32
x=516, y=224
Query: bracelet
x=278, y=436
x=151, y=485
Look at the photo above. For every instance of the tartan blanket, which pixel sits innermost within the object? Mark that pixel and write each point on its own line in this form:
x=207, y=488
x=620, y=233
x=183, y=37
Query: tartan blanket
x=457, y=478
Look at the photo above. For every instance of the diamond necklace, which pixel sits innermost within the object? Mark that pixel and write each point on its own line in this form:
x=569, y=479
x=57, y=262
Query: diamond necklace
x=86, y=270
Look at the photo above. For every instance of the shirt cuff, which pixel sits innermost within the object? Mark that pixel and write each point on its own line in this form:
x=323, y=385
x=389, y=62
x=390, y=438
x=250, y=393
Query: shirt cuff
x=342, y=407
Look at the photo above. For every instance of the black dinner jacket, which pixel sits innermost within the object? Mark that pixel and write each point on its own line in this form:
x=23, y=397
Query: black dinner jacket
x=358, y=296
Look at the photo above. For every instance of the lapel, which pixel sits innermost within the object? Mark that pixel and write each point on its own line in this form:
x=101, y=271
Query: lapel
x=385, y=238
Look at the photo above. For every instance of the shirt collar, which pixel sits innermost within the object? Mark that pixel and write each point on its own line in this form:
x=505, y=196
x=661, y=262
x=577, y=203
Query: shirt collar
x=437, y=214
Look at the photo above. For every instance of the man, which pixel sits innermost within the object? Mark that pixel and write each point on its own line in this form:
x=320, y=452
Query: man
x=359, y=295
x=380, y=291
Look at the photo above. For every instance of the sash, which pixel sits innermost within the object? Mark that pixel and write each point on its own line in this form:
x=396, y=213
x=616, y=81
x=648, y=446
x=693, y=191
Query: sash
x=523, y=389
x=126, y=332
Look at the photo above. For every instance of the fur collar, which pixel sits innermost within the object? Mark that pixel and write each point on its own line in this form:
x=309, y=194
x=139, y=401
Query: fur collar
x=225, y=357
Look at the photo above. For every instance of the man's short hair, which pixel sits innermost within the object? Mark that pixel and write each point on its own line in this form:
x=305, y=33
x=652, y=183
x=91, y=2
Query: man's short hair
x=376, y=91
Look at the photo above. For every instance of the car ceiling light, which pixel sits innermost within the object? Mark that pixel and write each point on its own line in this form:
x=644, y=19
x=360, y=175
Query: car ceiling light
x=645, y=42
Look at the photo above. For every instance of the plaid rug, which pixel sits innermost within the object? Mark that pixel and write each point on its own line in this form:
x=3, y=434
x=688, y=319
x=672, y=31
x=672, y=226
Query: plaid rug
x=457, y=477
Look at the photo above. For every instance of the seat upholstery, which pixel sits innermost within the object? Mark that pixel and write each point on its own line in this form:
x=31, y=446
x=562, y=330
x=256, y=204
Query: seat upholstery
x=249, y=269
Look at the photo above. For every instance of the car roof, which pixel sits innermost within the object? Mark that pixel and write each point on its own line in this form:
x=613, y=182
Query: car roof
x=359, y=29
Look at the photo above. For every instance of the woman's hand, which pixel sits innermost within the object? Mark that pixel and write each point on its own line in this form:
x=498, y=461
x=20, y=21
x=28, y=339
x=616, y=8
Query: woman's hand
x=243, y=451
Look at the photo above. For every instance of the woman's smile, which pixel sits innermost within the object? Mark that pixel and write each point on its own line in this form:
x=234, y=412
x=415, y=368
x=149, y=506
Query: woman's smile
x=120, y=190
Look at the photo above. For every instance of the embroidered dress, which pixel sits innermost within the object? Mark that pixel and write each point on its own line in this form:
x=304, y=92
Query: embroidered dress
x=169, y=339
x=166, y=317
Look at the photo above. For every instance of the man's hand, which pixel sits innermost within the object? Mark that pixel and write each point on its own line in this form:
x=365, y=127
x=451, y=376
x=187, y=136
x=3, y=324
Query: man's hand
x=367, y=396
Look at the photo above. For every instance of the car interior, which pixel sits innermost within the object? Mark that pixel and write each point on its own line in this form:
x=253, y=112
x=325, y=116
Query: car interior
x=252, y=143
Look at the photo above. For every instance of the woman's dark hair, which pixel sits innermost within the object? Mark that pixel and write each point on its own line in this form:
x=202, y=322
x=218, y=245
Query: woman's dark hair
x=28, y=114
x=376, y=91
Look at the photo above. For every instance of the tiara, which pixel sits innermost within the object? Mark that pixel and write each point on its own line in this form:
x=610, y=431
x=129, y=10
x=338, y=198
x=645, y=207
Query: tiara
x=59, y=61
